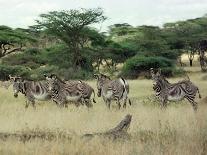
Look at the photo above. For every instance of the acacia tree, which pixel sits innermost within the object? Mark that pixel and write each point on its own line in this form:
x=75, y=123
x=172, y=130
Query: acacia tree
x=71, y=27
x=12, y=40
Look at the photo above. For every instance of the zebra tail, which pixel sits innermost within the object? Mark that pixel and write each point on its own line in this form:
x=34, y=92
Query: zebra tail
x=199, y=95
x=130, y=103
x=94, y=101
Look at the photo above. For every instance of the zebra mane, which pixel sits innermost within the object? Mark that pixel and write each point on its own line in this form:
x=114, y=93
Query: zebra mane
x=59, y=79
x=165, y=80
x=105, y=76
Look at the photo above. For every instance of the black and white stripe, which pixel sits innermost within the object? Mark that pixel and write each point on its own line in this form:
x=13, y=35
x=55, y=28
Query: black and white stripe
x=166, y=91
x=112, y=89
x=33, y=90
x=71, y=91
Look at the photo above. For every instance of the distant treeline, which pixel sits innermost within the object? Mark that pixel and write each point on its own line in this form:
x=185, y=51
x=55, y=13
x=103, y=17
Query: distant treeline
x=63, y=42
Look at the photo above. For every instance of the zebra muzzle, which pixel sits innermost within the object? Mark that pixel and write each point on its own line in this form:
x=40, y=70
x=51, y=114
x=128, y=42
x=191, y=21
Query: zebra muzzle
x=16, y=95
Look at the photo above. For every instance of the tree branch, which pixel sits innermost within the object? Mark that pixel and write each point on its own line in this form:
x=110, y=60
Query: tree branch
x=7, y=51
x=120, y=131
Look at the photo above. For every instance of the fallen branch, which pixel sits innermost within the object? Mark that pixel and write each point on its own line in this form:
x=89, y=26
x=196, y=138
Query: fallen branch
x=119, y=132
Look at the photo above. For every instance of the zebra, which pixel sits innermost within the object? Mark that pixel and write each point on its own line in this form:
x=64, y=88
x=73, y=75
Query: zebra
x=33, y=90
x=112, y=90
x=71, y=91
x=166, y=91
x=86, y=91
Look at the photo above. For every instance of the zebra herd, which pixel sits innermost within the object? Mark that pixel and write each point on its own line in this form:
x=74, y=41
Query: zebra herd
x=81, y=93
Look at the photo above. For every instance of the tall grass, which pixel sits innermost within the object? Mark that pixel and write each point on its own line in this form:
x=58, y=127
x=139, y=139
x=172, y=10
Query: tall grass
x=176, y=130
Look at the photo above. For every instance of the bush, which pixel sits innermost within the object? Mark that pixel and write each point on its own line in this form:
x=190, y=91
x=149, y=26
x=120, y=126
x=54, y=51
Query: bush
x=38, y=74
x=80, y=74
x=56, y=59
x=66, y=74
x=5, y=71
x=30, y=58
x=138, y=65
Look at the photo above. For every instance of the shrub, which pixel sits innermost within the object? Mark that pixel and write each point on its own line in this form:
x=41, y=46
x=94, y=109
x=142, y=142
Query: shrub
x=69, y=74
x=30, y=58
x=38, y=74
x=5, y=71
x=136, y=65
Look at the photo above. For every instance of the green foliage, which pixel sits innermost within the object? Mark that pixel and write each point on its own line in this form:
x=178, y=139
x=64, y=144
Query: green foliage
x=76, y=49
x=72, y=28
x=51, y=60
x=136, y=65
x=5, y=71
x=57, y=55
x=12, y=40
x=30, y=58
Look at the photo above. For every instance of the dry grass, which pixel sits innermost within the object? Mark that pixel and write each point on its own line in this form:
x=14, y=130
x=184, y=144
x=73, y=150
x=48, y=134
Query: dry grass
x=176, y=130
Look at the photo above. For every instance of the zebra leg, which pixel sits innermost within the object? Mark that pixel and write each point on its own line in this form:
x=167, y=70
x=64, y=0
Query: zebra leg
x=195, y=106
x=82, y=101
x=124, y=105
x=66, y=105
x=192, y=102
x=60, y=103
x=130, y=103
x=33, y=104
x=164, y=103
x=88, y=103
x=108, y=103
x=27, y=104
x=77, y=104
x=118, y=103
x=199, y=93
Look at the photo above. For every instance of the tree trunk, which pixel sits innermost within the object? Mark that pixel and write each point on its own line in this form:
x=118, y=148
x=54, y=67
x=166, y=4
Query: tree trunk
x=202, y=61
x=119, y=132
x=191, y=57
x=76, y=54
x=191, y=62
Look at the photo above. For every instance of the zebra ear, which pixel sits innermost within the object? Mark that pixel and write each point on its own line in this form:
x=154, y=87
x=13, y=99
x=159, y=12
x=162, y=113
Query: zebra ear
x=18, y=78
x=105, y=76
x=152, y=71
x=11, y=78
x=53, y=76
x=159, y=71
x=95, y=76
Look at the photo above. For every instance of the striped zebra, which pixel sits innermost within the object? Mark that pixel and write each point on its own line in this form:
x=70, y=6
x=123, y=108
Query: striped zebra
x=86, y=91
x=71, y=91
x=166, y=91
x=112, y=90
x=33, y=90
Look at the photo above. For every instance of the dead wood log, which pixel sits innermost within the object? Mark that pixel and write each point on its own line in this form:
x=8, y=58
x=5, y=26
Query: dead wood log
x=119, y=132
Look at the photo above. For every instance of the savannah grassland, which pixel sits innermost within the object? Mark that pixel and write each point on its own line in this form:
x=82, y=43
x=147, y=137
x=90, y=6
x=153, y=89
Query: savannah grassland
x=176, y=130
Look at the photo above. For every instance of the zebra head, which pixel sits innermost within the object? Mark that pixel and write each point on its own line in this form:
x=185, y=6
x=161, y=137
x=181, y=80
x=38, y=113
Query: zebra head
x=53, y=82
x=18, y=85
x=157, y=76
x=101, y=80
x=158, y=80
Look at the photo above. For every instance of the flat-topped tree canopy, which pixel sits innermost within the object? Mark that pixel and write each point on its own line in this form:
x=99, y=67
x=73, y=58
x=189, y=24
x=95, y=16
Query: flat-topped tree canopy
x=69, y=26
x=12, y=40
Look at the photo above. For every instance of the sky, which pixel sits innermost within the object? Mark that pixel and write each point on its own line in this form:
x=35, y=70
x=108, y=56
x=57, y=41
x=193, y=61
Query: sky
x=22, y=13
